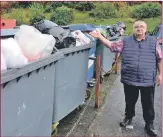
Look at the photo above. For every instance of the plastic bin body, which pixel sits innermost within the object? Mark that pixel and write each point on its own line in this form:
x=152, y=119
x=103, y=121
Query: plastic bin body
x=27, y=98
x=70, y=86
x=91, y=63
x=85, y=28
x=107, y=59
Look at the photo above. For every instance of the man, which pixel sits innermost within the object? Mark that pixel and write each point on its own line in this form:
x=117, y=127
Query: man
x=141, y=57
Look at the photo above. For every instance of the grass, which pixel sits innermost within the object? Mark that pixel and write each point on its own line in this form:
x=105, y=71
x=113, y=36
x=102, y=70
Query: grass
x=83, y=18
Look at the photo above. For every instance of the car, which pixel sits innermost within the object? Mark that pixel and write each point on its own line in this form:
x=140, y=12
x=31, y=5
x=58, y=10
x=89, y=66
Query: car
x=157, y=32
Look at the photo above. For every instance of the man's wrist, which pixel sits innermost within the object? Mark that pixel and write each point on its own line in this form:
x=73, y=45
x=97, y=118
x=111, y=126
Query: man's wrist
x=101, y=37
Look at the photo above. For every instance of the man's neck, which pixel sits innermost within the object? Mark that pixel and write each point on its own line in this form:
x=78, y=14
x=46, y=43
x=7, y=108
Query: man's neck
x=140, y=37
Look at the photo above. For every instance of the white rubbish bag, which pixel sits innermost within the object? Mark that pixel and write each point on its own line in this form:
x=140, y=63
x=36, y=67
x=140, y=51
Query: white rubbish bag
x=13, y=54
x=3, y=62
x=33, y=43
x=81, y=39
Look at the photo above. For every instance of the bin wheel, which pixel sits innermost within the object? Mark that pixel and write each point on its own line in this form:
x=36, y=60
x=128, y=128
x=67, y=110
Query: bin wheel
x=88, y=94
x=91, y=85
x=101, y=79
x=54, y=129
x=79, y=108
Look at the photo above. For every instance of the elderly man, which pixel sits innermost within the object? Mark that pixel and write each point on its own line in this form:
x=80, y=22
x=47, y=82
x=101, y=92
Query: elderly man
x=141, y=57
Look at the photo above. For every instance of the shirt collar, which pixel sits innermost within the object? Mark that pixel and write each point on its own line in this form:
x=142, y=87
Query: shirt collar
x=145, y=37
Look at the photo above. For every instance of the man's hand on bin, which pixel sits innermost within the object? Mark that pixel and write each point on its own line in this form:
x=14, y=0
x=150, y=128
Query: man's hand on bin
x=96, y=33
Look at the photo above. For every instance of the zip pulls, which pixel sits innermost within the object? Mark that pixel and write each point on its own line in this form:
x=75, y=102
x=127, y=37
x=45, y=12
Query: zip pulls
x=139, y=44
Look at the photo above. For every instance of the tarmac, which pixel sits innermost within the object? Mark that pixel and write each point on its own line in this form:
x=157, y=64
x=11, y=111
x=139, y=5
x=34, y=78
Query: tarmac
x=90, y=121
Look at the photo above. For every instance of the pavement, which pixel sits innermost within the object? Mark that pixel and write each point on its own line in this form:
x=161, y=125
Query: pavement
x=90, y=121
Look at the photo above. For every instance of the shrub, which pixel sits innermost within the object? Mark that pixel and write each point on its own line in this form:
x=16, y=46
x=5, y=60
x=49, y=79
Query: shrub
x=36, y=8
x=20, y=16
x=120, y=4
x=104, y=10
x=35, y=19
x=125, y=11
x=21, y=4
x=147, y=10
x=84, y=6
x=62, y=15
x=48, y=8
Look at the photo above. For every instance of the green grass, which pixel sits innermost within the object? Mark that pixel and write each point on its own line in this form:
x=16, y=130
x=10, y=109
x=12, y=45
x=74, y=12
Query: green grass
x=82, y=17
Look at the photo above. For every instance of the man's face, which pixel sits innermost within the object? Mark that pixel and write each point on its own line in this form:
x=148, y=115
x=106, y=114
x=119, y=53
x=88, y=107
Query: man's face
x=139, y=28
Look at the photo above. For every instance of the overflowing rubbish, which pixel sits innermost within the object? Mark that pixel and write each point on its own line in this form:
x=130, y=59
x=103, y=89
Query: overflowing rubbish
x=33, y=43
x=114, y=30
x=12, y=54
x=81, y=39
x=44, y=38
x=3, y=62
x=44, y=25
x=64, y=37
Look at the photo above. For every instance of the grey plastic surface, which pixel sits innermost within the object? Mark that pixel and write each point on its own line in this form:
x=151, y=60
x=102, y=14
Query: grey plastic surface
x=27, y=98
x=107, y=58
x=70, y=86
x=8, y=32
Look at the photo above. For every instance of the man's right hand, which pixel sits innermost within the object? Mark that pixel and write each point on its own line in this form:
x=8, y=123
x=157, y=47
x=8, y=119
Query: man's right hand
x=95, y=34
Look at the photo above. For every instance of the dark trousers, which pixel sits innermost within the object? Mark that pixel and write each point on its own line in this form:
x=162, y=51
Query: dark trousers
x=147, y=100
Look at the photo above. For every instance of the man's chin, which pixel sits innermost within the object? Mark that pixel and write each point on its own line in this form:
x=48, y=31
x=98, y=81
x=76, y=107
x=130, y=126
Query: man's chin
x=139, y=34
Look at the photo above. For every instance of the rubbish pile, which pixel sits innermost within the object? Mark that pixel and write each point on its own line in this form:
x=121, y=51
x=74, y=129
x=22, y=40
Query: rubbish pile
x=114, y=30
x=36, y=41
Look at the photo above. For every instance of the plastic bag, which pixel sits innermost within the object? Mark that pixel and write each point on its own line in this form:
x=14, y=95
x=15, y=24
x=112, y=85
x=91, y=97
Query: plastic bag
x=3, y=62
x=63, y=37
x=81, y=38
x=33, y=43
x=13, y=54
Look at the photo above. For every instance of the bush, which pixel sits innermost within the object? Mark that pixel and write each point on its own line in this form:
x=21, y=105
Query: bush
x=36, y=9
x=48, y=9
x=84, y=6
x=120, y=4
x=125, y=11
x=21, y=4
x=147, y=10
x=20, y=16
x=62, y=16
x=104, y=10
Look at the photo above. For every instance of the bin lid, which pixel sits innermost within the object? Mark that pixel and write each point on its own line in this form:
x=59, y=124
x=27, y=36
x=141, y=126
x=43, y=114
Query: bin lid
x=8, y=32
x=82, y=27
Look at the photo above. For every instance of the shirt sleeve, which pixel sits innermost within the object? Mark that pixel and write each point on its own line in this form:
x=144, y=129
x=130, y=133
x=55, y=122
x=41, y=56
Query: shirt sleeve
x=158, y=52
x=117, y=46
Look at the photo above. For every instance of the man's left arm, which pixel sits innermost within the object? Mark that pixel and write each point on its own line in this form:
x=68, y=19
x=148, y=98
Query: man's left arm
x=160, y=64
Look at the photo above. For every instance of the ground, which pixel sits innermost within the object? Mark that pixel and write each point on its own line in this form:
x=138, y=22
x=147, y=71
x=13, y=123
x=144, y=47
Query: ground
x=105, y=122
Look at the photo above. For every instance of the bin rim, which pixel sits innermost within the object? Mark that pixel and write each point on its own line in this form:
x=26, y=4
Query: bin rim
x=82, y=27
x=11, y=74
x=75, y=49
x=8, y=32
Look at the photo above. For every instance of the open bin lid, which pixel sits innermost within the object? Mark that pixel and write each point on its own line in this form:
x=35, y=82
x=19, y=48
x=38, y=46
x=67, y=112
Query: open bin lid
x=8, y=32
x=82, y=27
